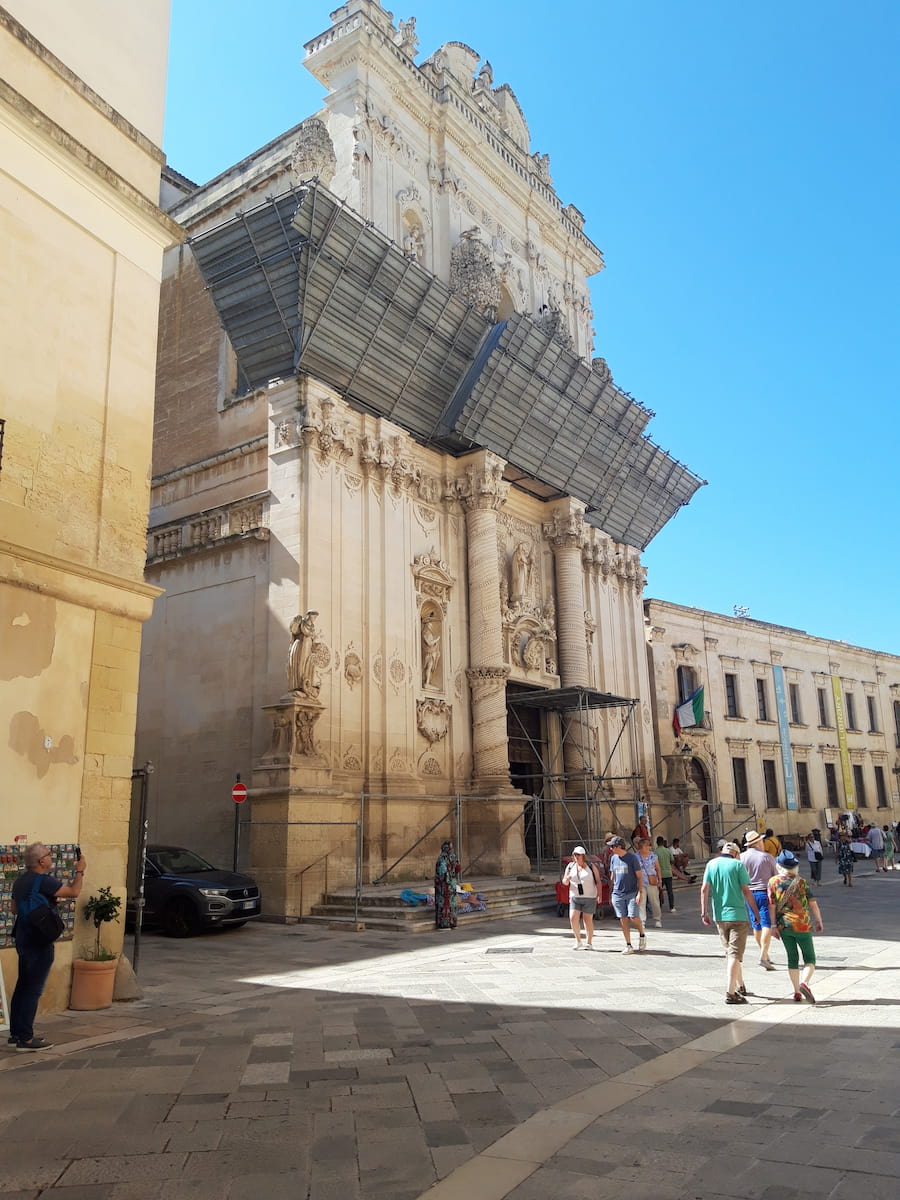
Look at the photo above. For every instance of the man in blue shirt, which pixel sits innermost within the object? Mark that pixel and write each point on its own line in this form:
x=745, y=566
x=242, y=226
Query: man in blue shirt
x=35, y=959
x=726, y=891
x=627, y=891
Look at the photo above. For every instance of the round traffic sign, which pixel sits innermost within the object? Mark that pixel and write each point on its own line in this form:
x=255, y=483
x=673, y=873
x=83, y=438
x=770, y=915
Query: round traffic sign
x=239, y=793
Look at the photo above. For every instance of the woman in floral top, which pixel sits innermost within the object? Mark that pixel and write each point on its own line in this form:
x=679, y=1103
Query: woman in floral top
x=796, y=914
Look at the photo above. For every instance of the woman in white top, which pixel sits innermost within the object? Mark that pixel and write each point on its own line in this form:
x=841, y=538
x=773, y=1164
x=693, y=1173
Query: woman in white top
x=584, y=890
x=814, y=856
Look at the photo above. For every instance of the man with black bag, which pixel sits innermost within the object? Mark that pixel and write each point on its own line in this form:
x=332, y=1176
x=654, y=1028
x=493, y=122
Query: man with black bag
x=34, y=897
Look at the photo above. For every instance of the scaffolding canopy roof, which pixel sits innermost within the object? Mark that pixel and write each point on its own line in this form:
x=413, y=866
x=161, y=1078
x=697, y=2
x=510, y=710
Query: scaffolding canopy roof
x=560, y=699
x=303, y=283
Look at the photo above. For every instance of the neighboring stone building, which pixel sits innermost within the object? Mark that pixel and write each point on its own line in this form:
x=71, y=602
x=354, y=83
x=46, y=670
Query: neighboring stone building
x=81, y=112
x=381, y=443
x=797, y=729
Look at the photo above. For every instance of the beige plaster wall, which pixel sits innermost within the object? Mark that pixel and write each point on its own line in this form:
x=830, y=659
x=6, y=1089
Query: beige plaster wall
x=130, y=73
x=79, y=279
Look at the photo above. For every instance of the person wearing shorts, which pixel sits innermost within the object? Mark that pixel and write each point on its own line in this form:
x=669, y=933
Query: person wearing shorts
x=584, y=889
x=796, y=913
x=761, y=868
x=726, y=894
x=627, y=891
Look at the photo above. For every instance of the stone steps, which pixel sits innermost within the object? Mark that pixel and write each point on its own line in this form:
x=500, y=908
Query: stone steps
x=382, y=908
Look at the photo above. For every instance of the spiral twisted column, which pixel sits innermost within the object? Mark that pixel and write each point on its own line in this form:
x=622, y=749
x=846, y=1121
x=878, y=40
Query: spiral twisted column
x=482, y=492
x=565, y=531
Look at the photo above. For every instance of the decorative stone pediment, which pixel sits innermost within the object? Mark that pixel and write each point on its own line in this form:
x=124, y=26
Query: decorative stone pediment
x=432, y=579
x=685, y=652
x=313, y=156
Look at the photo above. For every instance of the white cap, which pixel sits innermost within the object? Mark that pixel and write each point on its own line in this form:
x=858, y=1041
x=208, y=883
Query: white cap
x=579, y=850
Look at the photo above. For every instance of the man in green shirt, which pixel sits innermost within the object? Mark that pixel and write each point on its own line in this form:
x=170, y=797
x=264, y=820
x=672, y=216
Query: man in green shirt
x=664, y=854
x=726, y=891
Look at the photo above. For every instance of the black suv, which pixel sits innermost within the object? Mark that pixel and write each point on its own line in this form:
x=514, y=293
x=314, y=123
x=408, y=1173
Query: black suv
x=185, y=894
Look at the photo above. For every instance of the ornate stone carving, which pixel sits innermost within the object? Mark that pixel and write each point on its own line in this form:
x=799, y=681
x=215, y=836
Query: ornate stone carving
x=304, y=660
x=386, y=135
x=542, y=167
x=432, y=767
x=473, y=276
x=433, y=580
x=293, y=724
x=600, y=367
x=351, y=761
x=487, y=681
x=565, y=529
x=352, y=666
x=521, y=574
x=432, y=719
x=313, y=156
x=405, y=37
x=397, y=672
x=552, y=320
x=323, y=425
x=483, y=485
x=390, y=460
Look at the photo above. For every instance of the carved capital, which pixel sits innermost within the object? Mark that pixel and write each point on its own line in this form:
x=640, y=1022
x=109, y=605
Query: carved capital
x=486, y=681
x=565, y=530
x=483, y=486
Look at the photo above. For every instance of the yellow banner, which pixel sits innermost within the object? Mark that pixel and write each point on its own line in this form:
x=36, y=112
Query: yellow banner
x=849, y=799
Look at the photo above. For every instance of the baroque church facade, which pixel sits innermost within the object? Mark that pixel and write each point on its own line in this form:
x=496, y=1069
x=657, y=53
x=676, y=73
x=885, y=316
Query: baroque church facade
x=393, y=492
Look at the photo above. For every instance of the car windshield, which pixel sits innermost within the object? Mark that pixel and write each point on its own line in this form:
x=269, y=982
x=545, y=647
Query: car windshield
x=174, y=860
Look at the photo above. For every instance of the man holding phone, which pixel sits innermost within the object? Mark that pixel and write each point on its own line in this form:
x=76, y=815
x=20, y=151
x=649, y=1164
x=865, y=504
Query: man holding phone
x=35, y=958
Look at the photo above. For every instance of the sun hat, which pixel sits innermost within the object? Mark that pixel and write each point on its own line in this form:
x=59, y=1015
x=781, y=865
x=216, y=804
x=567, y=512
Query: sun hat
x=752, y=836
x=787, y=859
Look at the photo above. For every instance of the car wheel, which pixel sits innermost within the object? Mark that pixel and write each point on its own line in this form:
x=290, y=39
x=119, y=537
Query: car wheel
x=180, y=919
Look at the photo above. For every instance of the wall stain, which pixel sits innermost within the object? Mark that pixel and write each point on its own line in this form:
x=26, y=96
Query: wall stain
x=26, y=738
x=27, y=633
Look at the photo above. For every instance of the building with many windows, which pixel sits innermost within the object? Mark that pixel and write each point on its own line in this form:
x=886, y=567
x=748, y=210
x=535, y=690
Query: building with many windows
x=795, y=729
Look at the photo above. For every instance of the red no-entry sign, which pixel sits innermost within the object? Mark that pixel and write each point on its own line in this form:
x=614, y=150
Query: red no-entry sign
x=239, y=793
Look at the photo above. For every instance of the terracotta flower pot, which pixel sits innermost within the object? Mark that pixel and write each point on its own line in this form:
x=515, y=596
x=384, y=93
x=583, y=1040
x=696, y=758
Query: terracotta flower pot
x=92, y=984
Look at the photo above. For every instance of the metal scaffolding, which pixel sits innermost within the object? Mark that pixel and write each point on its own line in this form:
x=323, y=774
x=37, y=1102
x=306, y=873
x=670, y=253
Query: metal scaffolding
x=569, y=762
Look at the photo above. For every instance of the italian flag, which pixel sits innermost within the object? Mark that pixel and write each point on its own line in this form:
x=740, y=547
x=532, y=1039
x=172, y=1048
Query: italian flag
x=690, y=713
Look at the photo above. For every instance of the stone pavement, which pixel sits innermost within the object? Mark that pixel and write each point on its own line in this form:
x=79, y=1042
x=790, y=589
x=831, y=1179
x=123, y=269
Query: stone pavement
x=485, y=1063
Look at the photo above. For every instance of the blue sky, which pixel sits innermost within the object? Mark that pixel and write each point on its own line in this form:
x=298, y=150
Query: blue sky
x=738, y=166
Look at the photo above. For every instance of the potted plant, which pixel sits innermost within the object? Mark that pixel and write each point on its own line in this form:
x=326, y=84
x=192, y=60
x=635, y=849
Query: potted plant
x=94, y=973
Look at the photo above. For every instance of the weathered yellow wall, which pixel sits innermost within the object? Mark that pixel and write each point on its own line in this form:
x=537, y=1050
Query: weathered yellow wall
x=82, y=248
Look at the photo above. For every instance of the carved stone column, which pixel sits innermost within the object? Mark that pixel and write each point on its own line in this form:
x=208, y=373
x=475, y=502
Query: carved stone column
x=565, y=532
x=482, y=492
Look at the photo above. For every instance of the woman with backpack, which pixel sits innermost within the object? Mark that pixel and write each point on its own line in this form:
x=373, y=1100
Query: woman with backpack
x=796, y=915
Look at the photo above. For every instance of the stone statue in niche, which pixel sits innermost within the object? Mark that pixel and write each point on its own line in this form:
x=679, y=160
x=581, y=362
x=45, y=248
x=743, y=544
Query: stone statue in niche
x=431, y=647
x=304, y=720
x=414, y=243
x=302, y=669
x=522, y=567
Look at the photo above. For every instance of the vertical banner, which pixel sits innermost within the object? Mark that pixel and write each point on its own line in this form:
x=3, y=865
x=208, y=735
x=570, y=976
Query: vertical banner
x=784, y=737
x=841, y=724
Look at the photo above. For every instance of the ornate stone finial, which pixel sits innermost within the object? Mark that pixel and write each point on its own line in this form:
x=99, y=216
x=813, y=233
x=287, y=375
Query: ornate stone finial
x=600, y=368
x=313, y=156
x=406, y=37
x=302, y=667
x=553, y=321
x=472, y=274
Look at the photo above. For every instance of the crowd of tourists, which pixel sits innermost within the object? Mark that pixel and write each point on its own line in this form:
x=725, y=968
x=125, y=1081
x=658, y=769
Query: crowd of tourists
x=752, y=886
